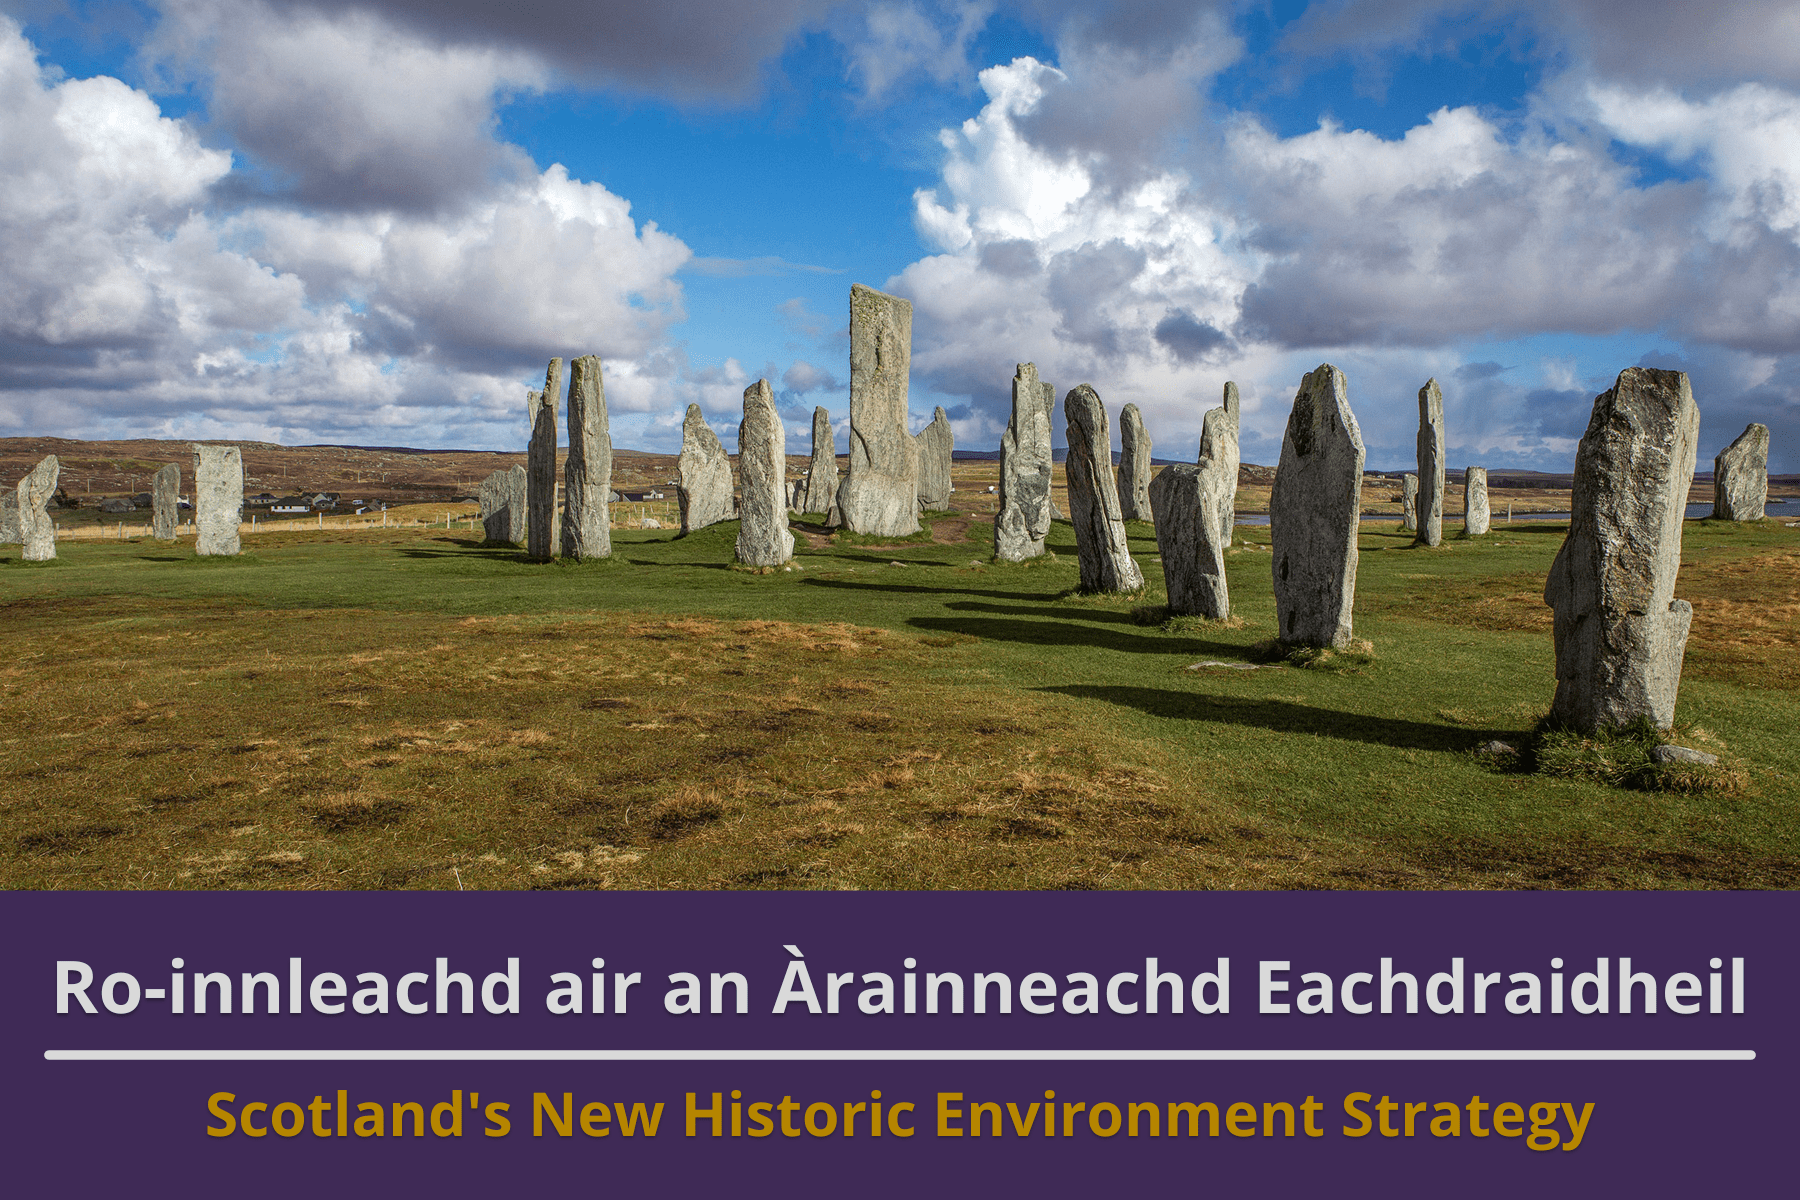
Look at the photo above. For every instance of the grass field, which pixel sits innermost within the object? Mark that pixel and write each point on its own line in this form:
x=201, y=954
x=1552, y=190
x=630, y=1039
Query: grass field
x=355, y=709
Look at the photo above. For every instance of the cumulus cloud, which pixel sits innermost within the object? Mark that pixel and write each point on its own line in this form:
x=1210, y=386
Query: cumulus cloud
x=348, y=111
x=1157, y=272
x=134, y=307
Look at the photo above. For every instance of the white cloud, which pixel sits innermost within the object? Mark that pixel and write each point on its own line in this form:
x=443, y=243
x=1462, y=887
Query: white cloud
x=134, y=307
x=1265, y=254
x=348, y=111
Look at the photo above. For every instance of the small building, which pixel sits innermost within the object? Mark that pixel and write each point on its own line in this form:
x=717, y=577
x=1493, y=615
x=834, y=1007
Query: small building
x=289, y=506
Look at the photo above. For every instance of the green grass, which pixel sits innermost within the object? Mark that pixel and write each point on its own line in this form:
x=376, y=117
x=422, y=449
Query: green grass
x=408, y=708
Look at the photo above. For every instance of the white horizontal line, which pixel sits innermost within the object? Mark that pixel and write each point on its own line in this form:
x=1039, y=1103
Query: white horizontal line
x=890, y=1055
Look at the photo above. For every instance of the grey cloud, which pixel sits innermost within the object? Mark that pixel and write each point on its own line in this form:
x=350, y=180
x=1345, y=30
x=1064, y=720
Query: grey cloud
x=690, y=50
x=1016, y=258
x=1188, y=338
x=1082, y=280
x=1479, y=370
x=1642, y=42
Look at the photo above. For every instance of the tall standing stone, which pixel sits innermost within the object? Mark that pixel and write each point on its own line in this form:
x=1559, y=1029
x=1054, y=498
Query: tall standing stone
x=9, y=516
x=1313, y=513
x=1134, y=465
x=936, y=443
x=705, y=474
x=587, y=471
x=1620, y=632
x=880, y=492
x=763, y=537
x=218, y=499
x=1431, y=464
x=37, y=532
x=1026, y=464
x=1106, y=564
x=1475, y=502
x=821, y=474
x=540, y=466
x=165, y=502
x=1409, y=504
x=502, y=498
x=1741, y=476
x=1195, y=510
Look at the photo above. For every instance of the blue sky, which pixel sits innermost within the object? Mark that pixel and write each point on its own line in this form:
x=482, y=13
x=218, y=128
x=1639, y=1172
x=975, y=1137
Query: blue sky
x=373, y=222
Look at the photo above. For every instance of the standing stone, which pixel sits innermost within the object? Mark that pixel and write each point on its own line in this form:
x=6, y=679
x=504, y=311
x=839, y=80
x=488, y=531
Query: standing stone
x=763, y=537
x=1431, y=464
x=821, y=485
x=165, y=502
x=1620, y=632
x=1106, y=564
x=37, y=532
x=503, y=507
x=1409, y=504
x=880, y=492
x=1025, y=469
x=1475, y=502
x=1134, y=465
x=1195, y=510
x=1313, y=512
x=935, y=443
x=9, y=516
x=587, y=471
x=705, y=472
x=218, y=499
x=1741, y=476
x=540, y=466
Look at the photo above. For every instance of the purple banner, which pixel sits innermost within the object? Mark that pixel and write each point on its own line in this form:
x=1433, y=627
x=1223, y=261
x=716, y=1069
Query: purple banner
x=1050, y=1043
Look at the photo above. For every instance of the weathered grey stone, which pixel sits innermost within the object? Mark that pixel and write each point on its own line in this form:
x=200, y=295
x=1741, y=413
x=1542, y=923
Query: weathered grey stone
x=502, y=498
x=9, y=516
x=935, y=443
x=1219, y=444
x=820, y=489
x=1475, y=501
x=1106, y=563
x=1313, y=512
x=880, y=492
x=1195, y=513
x=705, y=495
x=37, y=532
x=1431, y=464
x=763, y=537
x=165, y=502
x=218, y=499
x=1409, y=503
x=1026, y=464
x=1681, y=754
x=1741, y=476
x=1134, y=465
x=587, y=471
x=540, y=466
x=1620, y=632
x=1495, y=749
